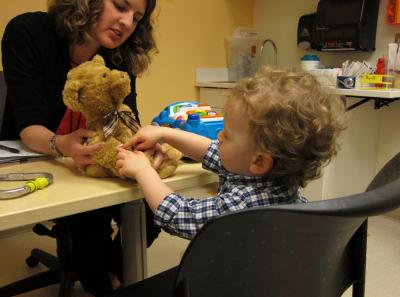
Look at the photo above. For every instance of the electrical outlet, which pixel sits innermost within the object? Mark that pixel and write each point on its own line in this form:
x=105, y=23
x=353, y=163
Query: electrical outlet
x=397, y=38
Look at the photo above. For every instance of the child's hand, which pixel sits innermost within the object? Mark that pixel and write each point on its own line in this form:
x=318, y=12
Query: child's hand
x=130, y=164
x=145, y=138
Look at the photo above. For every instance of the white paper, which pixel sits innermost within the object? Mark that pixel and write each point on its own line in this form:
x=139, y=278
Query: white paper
x=17, y=144
x=392, y=55
x=397, y=61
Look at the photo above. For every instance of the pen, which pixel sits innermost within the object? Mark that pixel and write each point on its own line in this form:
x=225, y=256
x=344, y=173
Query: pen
x=9, y=149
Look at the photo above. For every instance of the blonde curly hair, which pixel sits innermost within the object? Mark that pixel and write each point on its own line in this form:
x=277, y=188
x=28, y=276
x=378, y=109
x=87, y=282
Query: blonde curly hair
x=75, y=18
x=292, y=118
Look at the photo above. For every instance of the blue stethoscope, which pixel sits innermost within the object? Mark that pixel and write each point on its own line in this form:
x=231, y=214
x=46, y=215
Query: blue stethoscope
x=35, y=181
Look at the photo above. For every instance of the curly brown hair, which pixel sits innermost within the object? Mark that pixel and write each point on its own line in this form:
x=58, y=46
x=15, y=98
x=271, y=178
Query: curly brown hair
x=292, y=118
x=75, y=18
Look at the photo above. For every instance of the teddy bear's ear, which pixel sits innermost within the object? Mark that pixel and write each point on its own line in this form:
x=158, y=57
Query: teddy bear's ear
x=98, y=59
x=71, y=93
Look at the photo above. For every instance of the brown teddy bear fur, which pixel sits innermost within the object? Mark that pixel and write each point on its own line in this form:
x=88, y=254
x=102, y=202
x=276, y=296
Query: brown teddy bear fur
x=95, y=91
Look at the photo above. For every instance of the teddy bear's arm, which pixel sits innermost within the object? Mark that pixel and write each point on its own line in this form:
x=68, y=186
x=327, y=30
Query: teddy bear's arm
x=107, y=155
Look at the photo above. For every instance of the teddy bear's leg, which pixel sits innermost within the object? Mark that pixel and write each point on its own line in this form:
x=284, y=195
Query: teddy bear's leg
x=107, y=155
x=171, y=152
x=167, y=168
x=169, y=165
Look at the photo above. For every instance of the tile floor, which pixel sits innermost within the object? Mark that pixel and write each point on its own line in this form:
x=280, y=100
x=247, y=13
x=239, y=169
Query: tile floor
x=383, y=264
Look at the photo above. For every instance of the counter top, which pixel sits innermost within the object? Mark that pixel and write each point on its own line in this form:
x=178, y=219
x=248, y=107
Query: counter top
x=373, y=93
x=72, y=192
x=216, y=84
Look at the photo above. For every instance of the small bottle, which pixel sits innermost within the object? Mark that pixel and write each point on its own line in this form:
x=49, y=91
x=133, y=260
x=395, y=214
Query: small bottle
x=309, y=62
x=380, y=69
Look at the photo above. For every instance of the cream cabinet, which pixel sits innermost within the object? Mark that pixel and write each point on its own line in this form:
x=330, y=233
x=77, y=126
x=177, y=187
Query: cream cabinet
x=216, y=98
x=215, y=94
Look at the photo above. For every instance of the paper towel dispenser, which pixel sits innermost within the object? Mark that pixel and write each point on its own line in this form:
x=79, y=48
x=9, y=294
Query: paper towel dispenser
x=305, y=30
x=345, y=25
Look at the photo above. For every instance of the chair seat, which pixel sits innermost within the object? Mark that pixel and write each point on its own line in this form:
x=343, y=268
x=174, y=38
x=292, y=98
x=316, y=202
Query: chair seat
x=159, y=285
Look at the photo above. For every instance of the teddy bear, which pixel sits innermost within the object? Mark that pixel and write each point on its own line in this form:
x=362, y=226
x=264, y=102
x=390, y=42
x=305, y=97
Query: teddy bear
x=98, y=92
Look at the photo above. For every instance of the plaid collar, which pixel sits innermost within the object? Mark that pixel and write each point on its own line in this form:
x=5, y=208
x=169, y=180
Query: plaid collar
x=111, y=119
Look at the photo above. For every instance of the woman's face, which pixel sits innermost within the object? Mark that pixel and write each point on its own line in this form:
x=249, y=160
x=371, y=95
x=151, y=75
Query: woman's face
x=117, y=21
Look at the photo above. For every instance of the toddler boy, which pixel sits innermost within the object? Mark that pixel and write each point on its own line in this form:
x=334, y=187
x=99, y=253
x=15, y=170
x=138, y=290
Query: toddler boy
x=280, y=129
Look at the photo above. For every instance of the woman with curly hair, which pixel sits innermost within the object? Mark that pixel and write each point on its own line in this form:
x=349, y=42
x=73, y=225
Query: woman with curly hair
x=38, y=50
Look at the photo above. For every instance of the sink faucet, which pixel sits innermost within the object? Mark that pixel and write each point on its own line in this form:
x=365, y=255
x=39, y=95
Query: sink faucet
x=275, y=50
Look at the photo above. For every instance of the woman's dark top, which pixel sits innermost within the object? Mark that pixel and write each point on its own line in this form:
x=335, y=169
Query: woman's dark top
x=36, y=62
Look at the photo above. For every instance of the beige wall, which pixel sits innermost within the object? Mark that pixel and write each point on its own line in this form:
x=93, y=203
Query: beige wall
x=372, y=137
x=9, y=9
x=279, y=22
x=190, y=34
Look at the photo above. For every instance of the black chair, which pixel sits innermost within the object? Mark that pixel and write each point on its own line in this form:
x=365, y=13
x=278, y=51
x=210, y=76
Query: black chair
x=60, y=267
x=389, y=172
x=3, y=92
x=298, y=250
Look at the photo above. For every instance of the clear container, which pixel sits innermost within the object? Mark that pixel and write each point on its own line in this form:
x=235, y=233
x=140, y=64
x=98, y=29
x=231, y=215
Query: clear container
x=243, y=53
x=243, y=57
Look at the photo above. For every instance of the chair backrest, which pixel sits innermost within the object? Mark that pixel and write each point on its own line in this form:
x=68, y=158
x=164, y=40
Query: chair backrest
x=389, y=172
x=3, y=92
x=313, y=249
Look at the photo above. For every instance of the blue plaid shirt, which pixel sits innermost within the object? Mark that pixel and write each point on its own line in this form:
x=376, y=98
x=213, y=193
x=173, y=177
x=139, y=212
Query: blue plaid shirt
x=184, y=217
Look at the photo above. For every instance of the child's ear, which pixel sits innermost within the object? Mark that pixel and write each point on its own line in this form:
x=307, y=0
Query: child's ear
x=262, y=164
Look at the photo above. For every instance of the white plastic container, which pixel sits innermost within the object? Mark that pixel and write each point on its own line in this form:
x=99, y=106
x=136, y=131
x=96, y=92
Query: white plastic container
x=327, y=76
x=243, y=53
x=309, y=62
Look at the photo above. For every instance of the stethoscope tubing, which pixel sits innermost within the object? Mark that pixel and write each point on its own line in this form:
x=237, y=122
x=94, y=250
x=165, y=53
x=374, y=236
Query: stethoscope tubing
x=30, y=177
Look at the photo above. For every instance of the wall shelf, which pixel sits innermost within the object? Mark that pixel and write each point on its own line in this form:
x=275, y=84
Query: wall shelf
x=380, y=97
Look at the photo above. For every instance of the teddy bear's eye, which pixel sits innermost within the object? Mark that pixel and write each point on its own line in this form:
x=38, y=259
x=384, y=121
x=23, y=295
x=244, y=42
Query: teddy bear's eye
x=104, y=75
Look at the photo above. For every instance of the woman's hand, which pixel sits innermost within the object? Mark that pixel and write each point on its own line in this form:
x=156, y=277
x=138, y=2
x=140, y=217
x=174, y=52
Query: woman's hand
x=73, y=145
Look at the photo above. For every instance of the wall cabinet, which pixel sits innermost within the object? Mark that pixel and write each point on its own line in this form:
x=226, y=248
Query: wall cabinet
x=215, y=97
